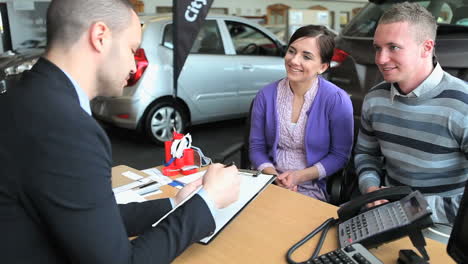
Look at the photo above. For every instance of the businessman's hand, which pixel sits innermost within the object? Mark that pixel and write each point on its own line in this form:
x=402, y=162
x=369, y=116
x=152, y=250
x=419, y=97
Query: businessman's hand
x=187, y=190
x=222, y=184
x=378, y=202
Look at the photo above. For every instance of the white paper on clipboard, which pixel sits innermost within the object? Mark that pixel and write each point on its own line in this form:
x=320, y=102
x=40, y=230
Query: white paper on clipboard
x=250, y=188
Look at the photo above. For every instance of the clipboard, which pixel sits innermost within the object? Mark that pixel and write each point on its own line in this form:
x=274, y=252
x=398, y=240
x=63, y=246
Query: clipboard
x=252, y=184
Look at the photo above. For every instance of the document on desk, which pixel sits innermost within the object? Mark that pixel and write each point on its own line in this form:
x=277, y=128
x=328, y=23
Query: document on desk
x=128, y=196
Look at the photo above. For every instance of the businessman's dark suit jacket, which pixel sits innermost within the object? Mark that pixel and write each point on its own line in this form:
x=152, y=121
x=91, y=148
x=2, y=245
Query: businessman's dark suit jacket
x=56, y=200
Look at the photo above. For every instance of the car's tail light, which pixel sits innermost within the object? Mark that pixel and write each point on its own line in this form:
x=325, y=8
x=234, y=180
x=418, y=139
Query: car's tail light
x=141, y=64
x=124, y=116
x=338, y=57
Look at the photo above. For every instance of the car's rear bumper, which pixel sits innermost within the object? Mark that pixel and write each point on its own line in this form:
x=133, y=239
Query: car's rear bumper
x=119, y=111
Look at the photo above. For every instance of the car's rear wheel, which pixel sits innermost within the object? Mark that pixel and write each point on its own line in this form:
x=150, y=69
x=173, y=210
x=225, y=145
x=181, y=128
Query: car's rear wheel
x=162, y=119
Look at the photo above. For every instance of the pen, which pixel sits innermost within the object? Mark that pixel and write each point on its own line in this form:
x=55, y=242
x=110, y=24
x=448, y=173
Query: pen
x=230, y=164
x=253, y=173
x=177, y=206
x=146, y=185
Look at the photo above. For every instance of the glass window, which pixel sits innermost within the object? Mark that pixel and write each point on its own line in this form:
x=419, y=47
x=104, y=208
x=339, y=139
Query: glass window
x=452, y=12
x=445, y=14
x=208, y=40
x=250, y=41
x=460, y=15
x=462, y=22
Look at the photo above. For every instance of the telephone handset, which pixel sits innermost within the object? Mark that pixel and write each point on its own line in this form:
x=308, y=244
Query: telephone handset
x=354, y=207
x=404, y=217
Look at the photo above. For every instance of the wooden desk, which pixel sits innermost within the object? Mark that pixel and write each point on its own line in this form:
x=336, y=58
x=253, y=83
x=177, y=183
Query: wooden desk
x=272, y=223
x=118, y=180
x=265, y=230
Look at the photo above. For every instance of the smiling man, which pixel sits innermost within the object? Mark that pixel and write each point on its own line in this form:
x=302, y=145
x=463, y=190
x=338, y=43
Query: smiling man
x=414, y=126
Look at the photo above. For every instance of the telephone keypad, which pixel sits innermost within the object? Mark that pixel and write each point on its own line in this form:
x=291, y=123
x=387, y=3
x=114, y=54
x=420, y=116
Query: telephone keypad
x=371, y=222
x=353, y=254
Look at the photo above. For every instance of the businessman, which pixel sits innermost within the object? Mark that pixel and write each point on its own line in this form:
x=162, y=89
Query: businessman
x=414, y=126
x=56, y=200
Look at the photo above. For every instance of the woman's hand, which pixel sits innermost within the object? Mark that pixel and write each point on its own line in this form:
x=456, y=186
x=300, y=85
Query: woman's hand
x=289, y=179
x=270, y=170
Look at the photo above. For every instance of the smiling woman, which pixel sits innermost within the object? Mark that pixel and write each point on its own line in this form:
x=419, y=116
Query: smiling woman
x=302, y=125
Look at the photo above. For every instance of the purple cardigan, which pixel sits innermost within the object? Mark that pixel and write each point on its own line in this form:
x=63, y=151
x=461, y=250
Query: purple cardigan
x=329, y=128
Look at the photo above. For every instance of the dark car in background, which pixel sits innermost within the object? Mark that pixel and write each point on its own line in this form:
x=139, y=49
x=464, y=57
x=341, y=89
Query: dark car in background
x=353, y=67
x=14, y=63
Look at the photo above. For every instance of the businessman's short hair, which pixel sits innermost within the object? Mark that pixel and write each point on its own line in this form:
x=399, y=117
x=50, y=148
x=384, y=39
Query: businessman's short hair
x=417, y=16
x=68, y=19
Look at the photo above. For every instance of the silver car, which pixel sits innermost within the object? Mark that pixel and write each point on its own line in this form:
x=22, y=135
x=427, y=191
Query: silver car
x=231, y=59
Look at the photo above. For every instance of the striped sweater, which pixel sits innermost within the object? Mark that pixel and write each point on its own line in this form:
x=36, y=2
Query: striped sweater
x=420, y=141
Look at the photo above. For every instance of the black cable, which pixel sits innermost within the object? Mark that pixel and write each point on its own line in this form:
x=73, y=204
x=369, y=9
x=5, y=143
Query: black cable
x=326, y=226
x=322, y=239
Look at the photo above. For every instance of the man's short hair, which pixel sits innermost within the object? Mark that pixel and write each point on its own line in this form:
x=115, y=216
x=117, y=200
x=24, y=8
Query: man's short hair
x=68, y=19
x=416, y=16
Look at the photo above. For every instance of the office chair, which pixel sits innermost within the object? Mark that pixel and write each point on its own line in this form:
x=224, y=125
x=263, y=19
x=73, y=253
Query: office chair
x=340, y=185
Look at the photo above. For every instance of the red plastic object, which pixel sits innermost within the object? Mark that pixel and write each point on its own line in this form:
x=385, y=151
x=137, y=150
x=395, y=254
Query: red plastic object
x=188, y=161
x=170, y=171
x=176, y=167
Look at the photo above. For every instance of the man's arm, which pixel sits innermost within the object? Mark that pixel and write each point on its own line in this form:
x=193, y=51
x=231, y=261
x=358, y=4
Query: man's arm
x=368, y=158
x=186, y=225
x=464, y=137
x=72, y=193
x=137, y=217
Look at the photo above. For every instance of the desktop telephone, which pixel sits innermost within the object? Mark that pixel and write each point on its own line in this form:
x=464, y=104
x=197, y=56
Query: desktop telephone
x=406, y=214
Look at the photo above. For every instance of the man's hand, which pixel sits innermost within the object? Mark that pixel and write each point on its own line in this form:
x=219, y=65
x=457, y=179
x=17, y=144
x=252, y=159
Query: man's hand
x=378, y=202
x=187, y=190
x=222, y=184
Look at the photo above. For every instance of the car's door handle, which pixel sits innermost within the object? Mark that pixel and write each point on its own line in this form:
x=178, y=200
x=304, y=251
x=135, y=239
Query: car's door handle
x=247, y=67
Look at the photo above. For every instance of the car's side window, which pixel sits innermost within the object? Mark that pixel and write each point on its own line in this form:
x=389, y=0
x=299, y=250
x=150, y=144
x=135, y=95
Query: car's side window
x=167, y=37
x=365, y=23
x=250, y=41
x=460, y=15
x=208, y=40
x=444, y=14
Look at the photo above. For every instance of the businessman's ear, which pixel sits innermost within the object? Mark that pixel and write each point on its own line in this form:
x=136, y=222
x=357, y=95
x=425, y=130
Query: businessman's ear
x=100, y=36
x=427, y=48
